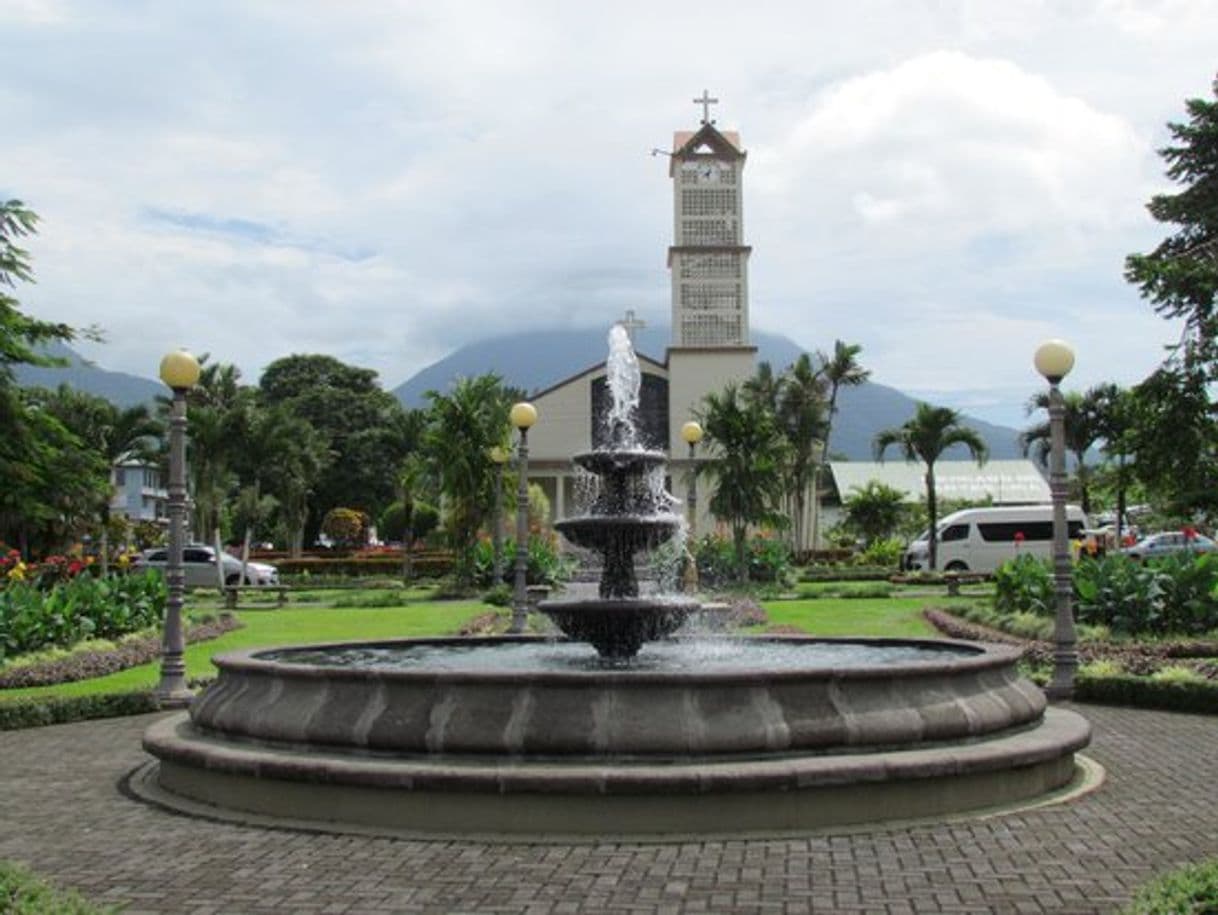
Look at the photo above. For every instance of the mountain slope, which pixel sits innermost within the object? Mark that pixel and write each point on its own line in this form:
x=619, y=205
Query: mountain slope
x=117, y=387
x=539, y=359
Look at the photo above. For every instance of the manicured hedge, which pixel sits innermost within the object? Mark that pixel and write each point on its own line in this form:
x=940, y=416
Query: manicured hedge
x=425, y=565
x=1143, y=692
x=36, y=712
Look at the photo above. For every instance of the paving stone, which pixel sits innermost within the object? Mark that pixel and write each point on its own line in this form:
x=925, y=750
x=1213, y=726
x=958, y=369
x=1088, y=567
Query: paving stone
x=62, y=813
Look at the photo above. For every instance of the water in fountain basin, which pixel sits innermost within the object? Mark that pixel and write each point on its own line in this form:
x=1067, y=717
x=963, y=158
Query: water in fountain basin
x=710, y=655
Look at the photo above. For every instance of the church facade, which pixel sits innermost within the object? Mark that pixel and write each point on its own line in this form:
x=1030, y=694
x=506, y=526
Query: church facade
x=710, y=347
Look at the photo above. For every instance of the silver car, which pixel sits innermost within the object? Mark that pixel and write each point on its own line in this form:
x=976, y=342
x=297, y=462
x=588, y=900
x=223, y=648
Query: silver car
x=1169, y=542
x=199, y=565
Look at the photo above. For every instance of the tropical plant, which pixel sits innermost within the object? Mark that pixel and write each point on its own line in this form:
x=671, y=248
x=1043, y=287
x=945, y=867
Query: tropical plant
x=745, y=454
x=839, y=370
x=874, y=511
x=924, y=437
x=462, y=427
x=1084, y=427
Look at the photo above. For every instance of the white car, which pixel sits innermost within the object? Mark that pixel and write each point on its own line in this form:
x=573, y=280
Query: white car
x=199, y=564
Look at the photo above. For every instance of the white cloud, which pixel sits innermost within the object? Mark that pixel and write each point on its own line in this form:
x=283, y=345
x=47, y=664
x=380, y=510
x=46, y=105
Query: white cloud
x=940, y=181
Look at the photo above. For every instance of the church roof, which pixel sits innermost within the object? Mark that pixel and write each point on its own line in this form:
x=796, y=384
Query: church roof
x=1013, y=482
x=725, y=143
x=645, y=362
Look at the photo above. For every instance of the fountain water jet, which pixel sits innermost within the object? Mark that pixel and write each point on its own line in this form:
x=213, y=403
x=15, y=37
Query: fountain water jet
x=522, y=735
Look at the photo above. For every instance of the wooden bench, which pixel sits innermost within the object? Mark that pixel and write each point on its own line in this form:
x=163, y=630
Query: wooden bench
x=955, y=579
x=231, y=593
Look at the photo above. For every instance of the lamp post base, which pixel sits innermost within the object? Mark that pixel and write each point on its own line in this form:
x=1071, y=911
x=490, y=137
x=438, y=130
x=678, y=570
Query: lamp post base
x=174, y=697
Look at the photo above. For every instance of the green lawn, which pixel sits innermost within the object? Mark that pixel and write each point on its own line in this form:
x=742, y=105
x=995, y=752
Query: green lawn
x=284, y=627
x=895, y=617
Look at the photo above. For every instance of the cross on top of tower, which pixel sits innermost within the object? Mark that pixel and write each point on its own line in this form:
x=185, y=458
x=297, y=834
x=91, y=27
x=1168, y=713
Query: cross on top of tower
x=630, y=324
x=706, y=101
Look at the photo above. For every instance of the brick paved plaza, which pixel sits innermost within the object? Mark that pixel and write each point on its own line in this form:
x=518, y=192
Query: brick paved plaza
x=63, y=813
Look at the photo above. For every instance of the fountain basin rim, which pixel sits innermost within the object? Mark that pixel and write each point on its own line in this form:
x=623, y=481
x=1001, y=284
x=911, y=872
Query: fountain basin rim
x=973, y=657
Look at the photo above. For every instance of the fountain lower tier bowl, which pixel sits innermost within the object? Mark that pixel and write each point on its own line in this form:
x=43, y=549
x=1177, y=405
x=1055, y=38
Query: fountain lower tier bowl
x=524, y=736
x=617, y=462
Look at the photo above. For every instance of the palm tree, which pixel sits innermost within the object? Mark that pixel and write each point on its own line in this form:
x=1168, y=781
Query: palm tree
x=1083, y=428
x=840, y=370
x=803, y=421
x=924, y=437
x=462, y=427
x=746, y=452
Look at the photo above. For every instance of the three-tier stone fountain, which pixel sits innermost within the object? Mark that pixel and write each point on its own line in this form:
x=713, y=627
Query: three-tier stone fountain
x=626, y=727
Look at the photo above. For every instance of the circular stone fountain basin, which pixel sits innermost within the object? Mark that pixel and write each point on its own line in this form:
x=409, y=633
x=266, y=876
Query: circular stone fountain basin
x=527, y=736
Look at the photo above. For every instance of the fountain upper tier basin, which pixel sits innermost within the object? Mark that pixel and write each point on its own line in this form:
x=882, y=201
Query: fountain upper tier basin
x=619, y=532
x=835, y=699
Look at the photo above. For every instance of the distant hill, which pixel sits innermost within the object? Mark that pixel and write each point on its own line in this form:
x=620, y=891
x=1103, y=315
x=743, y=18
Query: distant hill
x=538, y=359
x=117, y=387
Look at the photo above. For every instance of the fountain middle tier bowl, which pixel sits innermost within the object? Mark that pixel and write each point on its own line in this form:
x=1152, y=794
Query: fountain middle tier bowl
x=619, y=532
x=533, y=737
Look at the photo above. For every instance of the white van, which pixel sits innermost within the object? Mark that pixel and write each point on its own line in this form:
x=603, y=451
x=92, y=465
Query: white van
x=982, y=539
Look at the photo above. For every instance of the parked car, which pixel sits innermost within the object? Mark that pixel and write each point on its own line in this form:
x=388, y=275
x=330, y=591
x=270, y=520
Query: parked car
x=1169, y=542
x=199, y=564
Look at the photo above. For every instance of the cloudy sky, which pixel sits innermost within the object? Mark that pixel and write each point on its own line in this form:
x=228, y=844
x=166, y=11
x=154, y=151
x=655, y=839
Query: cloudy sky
x=946, y=182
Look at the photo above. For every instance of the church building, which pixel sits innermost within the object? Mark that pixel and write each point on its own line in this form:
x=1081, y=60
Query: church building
x=708, y=262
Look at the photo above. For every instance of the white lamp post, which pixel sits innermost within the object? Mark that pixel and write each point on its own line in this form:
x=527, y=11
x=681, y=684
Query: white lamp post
x=1054, y=359
x=180, y=371
x=500, y=456
x=523, y=416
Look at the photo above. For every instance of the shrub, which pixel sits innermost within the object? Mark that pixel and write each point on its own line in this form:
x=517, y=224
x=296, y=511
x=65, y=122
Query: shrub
x=546, y=565
x=33, y=713
x=1193, y=888
x=346, y=527
x=769, y=561
x=882, y=553
x=498, y=596
x=1177, y=674
x=425, y=519
x=32, y=618
x=1025, y=584
x=431, y=564
x=1176, y=594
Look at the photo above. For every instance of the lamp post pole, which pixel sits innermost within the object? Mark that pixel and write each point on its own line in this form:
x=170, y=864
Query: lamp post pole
x=499, y=455
x=523, y=416
x=691, y=432
x=180, y=371
x=1054, y=359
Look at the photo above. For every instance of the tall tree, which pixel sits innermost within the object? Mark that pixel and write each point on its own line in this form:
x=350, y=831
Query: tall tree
x=355, y=416
x=840, y=370
x=1083, y=431
x=746, y=451
x=924, y=437
x=33, y=445
x=1180, y=279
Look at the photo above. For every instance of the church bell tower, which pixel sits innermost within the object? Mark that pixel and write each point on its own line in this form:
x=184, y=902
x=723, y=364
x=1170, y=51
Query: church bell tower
x=708, y=259
x=709, y=265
